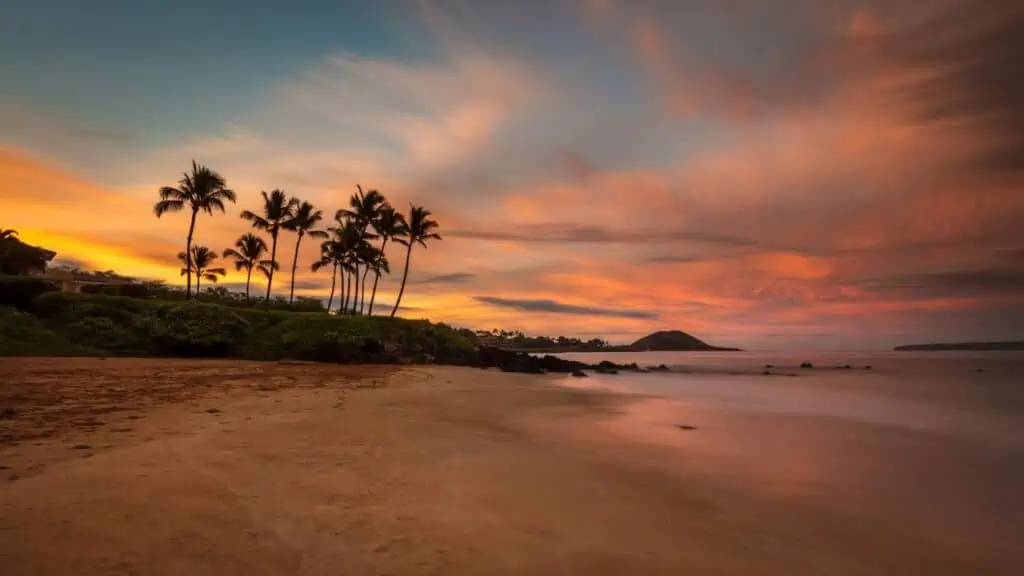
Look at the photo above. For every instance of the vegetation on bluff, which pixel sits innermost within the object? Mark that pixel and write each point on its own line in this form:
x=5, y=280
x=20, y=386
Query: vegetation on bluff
x=57, y=324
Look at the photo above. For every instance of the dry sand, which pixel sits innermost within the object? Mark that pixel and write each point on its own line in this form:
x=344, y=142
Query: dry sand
x=161, y=467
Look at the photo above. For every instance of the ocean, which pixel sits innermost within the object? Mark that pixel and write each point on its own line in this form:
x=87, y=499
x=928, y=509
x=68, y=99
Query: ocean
x=931, y=443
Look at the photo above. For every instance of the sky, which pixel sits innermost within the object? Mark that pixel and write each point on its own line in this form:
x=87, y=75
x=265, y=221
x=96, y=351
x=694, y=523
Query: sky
x=791, y=174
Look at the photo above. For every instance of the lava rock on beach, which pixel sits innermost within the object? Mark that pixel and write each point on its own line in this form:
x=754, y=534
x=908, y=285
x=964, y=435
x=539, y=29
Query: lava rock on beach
x=524, y=363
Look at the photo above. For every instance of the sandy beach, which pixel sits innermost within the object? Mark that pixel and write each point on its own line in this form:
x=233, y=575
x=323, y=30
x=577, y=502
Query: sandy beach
x=174, y=467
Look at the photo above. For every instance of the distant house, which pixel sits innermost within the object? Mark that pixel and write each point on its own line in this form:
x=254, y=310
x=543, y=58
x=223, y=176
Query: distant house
x=74, y=280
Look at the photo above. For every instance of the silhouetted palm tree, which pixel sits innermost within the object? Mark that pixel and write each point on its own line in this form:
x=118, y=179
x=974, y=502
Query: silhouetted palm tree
x=302, y=223
x=366, y=255
x=419, y=229
x=363, y=210
x=267, y=268
x=247, y=253
x=200, y=264
x=379, y=267
x=278, y=209
x=389, y=224
x=201, y=190
x=7, y=233
x=327, y=259
x=351, y=238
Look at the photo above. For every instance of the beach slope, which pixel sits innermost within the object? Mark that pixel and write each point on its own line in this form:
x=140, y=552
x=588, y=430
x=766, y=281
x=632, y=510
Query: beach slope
x=164, y=467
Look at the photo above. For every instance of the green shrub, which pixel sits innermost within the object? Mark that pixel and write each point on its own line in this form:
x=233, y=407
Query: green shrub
x=21, y=291
x=126, y=338
x=196, y=329
x=134, y=327
x=22, y=334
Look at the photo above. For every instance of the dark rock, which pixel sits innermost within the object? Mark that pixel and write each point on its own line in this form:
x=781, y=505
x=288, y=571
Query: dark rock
x=769, y=366
x=867, y=367
x=766, y=373
x=512, y=361
x=579, y=374
x=687, y=427
x=807, y=365
x=659, y=368
x=846, y=367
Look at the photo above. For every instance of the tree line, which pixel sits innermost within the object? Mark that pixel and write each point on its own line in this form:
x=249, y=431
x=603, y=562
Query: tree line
x=347, y=249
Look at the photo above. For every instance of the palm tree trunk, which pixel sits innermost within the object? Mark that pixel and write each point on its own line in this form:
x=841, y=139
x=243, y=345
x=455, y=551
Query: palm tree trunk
x=373, y=295
x=197, y=284
x=273, y=259
x=343, y=292
x=188, y=257
x=248, y=278
x=334, y=280
x=351, y=291
x=376, y=274
x=408, y=256
x=355, y=292
x=362, y=303
x=346, y=286
x=295, y=263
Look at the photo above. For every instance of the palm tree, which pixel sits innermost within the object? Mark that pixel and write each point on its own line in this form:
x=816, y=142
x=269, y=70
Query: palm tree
x=278, y=209
x=198, y=263
x=367, y=255
x=324, y=261
x=332, y=253
x=305, y=219
x=247, y=253
x=267, y=268
x=201, y=190
x=349, y=237
x=418, y=231
x=363, y=210
x=380, y=266
x=389, y=224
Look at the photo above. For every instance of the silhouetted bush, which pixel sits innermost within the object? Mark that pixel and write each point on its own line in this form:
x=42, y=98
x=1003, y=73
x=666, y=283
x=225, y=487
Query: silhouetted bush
x=196, y=329
x=22, y=334
x=128, y=290
x=122, y=326
x=21, y=291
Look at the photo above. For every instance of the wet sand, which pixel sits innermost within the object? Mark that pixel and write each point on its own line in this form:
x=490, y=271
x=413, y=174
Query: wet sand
x=164, y=467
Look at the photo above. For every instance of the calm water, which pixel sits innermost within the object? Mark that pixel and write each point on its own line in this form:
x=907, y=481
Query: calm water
x=931, y=443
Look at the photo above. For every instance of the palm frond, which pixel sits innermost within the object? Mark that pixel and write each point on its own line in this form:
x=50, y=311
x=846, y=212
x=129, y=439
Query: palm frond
x=256, y=220
x=164, y=206
x=172, y=193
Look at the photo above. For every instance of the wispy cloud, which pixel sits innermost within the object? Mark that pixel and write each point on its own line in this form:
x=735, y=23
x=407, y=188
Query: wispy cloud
x=560, y=308
x=453, y=278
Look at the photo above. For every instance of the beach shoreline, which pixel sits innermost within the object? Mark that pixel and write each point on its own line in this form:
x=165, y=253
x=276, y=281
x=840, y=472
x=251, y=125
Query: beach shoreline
x=228, y=467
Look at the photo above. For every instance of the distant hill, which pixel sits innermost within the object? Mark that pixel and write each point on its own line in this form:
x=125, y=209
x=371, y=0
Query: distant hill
x=673, y=341
x=975, y=346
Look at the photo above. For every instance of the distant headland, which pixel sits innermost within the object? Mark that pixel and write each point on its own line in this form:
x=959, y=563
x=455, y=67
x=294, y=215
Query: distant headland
x=662, y=341
x=967, y=346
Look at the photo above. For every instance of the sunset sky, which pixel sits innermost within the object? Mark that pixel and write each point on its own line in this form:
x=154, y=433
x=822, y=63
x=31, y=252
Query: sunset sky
x=792, y=173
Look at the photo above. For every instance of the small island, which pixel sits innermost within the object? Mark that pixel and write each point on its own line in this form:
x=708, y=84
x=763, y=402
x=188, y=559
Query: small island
x=661, y=341
x=963, y=346
x=673, y=341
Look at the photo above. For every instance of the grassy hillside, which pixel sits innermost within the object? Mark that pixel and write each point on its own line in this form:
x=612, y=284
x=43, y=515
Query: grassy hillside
x=83, y=324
